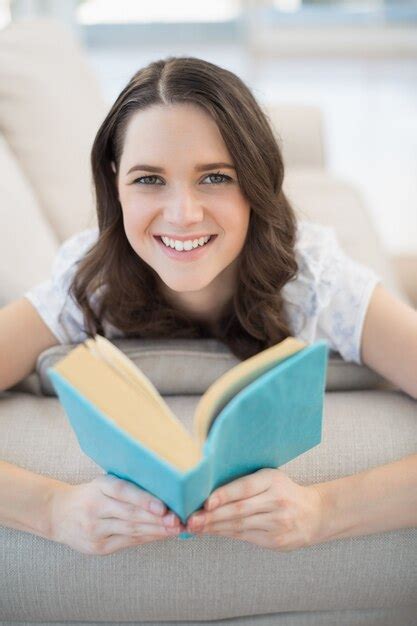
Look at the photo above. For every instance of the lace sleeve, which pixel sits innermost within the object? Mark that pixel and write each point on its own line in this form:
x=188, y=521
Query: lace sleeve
x=330, y=297
x=51, y=298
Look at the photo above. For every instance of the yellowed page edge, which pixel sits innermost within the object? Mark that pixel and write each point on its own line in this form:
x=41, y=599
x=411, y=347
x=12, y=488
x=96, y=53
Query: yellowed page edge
x=105, y=349
x=133, y=411
x=229, y=384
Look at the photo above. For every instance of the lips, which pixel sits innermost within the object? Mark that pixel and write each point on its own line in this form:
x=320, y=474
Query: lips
x=185, y=255
x=185, y=238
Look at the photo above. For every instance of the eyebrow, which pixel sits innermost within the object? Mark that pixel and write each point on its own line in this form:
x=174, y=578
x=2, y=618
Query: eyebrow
x=202, y=167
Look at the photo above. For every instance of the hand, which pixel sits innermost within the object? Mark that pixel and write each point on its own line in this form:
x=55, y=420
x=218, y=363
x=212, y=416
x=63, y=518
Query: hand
x=266, y=508
x=106, y=515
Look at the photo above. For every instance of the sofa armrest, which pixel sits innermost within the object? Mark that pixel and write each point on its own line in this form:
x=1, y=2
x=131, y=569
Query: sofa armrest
x=405, y=267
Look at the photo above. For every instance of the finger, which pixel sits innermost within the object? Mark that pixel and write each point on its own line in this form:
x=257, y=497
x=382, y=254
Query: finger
x=260, y=503
x=240, y=489
x=113, y=526
x=263, y=522
x=130, y=512
x=127, y=491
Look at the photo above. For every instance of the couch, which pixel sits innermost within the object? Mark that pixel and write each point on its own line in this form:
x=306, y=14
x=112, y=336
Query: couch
x=50, y=108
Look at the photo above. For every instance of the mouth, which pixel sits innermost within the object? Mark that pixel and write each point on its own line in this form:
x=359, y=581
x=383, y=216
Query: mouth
x=185, y=255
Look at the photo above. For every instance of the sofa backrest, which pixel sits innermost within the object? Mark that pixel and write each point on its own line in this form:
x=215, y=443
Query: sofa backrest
x=190, y=366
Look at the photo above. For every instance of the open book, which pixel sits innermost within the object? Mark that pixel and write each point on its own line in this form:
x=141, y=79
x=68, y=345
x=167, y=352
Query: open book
x=263, y=412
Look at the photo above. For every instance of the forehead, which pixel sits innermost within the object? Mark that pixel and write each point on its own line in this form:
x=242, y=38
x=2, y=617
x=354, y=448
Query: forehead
x=168, y=127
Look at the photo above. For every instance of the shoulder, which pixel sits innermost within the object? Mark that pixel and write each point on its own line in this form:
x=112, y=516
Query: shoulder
x=318, y=255
x=315, y=244
x=51, y=297
x=329, y=296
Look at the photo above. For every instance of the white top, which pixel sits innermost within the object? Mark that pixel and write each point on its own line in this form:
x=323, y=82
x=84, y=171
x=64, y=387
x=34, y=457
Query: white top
x=331, y=290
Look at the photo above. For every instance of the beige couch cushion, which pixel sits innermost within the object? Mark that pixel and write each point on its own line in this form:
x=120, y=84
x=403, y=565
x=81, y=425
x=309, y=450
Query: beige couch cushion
x=27, y=243
x=190, y=366
x=209, y=577
x=50, y=110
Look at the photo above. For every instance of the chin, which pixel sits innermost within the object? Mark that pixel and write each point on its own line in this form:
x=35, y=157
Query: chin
x=182, y=284
x=182, y=287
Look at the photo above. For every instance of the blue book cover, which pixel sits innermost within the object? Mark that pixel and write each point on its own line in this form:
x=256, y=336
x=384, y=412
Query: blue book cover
x=269, y=410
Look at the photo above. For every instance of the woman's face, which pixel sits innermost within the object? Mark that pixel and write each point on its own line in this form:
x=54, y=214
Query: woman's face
x=171, y=183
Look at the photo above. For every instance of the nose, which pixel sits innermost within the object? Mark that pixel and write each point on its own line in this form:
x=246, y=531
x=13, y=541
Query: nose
x=182, y=209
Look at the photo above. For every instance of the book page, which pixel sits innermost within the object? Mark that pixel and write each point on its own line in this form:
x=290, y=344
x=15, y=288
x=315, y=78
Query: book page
x=227, y=386
x=133, y=408
x=106, y=350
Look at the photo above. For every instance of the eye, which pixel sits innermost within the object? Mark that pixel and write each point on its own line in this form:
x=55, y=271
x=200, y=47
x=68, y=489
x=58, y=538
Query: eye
x=148, y=180
x=219, y=179
x=218, y=175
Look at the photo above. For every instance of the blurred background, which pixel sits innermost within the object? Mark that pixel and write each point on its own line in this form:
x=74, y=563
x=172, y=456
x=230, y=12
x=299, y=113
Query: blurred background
x=356, y=60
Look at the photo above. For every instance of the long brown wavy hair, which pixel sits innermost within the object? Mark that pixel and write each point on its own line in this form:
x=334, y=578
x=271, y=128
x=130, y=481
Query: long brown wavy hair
x=128, y=287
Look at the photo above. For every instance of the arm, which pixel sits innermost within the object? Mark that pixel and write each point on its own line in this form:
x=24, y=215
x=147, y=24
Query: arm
x=25, y=499
x=23, y=494
x=286, y=516
x=23, y=336
x=377, y=500
x=385, y=497
x=268, y=508
x=81, y=516
x=389, y=339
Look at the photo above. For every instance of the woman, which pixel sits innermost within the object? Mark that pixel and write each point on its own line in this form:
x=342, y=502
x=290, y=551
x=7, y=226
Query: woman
x=196, y=238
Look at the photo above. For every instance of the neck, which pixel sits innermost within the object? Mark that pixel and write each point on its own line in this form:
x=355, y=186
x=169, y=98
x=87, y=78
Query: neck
x=209, y=304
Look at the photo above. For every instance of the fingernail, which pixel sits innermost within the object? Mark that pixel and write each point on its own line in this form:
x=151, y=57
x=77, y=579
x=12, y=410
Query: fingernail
x=197, y=520
x=157, y=507
x=170, y=519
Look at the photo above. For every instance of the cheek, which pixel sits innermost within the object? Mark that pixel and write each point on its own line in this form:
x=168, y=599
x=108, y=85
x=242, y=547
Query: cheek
x=241, y=229
x=136, y=215
x=238, y=221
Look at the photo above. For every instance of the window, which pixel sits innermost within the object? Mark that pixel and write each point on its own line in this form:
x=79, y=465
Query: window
x=342, y=11
x=108, y=11
x=5, y=17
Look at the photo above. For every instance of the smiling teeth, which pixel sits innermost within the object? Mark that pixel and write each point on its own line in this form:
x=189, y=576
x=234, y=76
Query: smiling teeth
x=185, y=245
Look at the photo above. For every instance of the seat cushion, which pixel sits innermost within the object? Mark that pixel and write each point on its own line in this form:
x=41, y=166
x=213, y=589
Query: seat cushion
x=208, y=577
